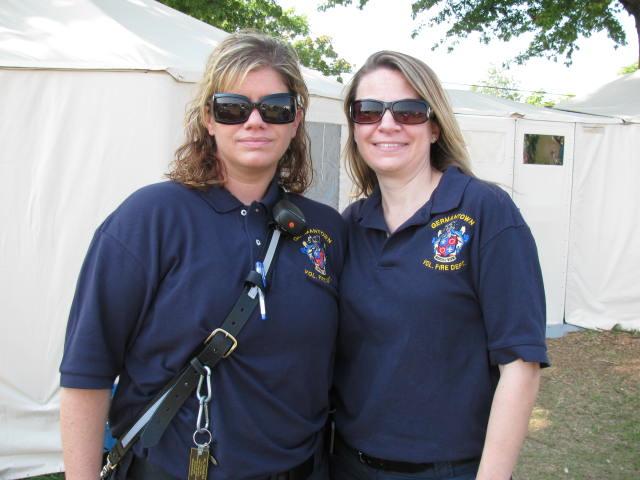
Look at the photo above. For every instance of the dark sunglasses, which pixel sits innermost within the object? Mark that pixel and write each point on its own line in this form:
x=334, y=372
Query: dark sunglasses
x=232, y=109
x=406, y=112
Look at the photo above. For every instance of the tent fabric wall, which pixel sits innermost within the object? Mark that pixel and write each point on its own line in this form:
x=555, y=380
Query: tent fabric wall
x=603, y=280
x=71, y=152
x=490, y=142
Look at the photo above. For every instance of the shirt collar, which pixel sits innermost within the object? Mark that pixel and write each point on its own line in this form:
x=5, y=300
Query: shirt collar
x=371, y=214
x=223, y=201
x=447, y=196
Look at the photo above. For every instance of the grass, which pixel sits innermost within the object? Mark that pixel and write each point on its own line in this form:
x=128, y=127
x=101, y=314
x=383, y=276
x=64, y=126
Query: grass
x=586, y=422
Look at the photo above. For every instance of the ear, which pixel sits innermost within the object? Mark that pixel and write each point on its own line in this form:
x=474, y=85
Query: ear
x=296, y=122
x=435, y=131
x=209, y=123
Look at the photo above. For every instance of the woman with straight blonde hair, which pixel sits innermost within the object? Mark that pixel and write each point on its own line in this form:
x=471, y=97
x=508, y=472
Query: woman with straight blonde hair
x=213, y=296
x=442, y=306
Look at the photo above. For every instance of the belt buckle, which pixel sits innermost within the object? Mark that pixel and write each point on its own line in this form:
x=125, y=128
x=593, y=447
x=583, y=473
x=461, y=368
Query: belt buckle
x=226, y=334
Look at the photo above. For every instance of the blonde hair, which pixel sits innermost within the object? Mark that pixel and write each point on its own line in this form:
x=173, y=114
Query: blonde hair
x=195, y=163
x=448, y=150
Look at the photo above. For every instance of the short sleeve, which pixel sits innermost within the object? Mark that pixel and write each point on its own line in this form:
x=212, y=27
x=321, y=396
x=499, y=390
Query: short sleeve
x=110, y=294
x=512, y=298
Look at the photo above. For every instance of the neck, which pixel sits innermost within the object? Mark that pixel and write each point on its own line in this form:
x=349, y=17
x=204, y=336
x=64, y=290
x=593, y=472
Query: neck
x=248, y=189
x=401, y=198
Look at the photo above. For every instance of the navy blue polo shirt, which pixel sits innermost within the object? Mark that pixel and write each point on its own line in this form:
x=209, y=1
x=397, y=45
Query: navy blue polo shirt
x=161, y=273
x=427, y=315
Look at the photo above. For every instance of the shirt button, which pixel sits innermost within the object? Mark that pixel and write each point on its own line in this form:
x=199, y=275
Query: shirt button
x=258, y=242
x=243, y=212
x=257, y=210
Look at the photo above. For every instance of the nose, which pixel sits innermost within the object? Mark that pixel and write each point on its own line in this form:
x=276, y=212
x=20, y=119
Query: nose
x=254, y=118
x=387, y=121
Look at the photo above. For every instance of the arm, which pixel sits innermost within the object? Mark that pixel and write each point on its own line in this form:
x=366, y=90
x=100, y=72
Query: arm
x=83, y=414
x=509, y=419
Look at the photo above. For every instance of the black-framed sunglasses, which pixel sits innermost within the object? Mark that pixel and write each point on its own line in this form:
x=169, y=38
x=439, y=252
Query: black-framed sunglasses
x=231, y=109
x=407, y=112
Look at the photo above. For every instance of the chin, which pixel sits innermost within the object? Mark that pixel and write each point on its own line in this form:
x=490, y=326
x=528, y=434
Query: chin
x=391, y=166
x=259, y=163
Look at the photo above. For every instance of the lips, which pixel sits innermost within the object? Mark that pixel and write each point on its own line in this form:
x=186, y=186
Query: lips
x=254, y=142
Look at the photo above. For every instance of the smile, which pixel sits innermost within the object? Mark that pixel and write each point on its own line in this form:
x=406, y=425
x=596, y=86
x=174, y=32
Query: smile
x=389, y=145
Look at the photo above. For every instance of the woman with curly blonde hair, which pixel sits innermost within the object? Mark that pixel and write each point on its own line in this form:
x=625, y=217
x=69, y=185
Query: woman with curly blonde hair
x=197, y=163
x=166, y=268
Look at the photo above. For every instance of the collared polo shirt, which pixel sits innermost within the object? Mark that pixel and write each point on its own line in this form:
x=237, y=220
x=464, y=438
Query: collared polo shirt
x=161, y=273
x=427, y=315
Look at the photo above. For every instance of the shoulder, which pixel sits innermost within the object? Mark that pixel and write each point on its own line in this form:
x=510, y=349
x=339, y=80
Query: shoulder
x=152, y=211
x=353, y=211
x=488, y=194
x=157, y=196
x=317, y=212
x=492, y=206
x=322, y=220
x=155, y=199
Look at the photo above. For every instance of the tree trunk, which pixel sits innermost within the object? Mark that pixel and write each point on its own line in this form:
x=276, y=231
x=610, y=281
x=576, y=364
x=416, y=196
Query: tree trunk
x=633, y=8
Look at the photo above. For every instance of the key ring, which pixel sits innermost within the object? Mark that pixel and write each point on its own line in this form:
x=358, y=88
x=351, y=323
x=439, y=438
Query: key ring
x=202, y=431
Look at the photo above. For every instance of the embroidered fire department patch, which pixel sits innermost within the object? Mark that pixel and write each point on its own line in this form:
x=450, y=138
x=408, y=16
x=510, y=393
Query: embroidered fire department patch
x=448, y=242
x=315, y=249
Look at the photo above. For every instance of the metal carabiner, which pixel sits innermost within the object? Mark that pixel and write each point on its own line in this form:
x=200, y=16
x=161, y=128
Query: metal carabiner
x=202, y=398
x=203, y=407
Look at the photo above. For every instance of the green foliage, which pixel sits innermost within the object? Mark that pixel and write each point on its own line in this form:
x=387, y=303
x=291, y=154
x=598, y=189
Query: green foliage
x=556, y=25
x=499, y=84
x=628, y=69
x=316, y=52
x=268, y=17
x=333, y=3
x=539, y=99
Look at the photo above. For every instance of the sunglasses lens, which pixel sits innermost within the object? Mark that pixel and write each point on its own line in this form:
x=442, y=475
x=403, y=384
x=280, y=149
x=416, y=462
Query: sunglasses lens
x=407, y=112
x=367, y=111
x=231, y=110
x=410, y=112
x=278, y=109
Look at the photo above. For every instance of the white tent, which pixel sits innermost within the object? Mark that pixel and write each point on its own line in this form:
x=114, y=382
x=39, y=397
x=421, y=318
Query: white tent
x=93, y=97
x=619, y=99
x=583, y=213
x=603, y=285
x=494, y=130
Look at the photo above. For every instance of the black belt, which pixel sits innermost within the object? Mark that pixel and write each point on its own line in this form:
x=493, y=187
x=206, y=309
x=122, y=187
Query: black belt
x=141, y=469
x=394, y=465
